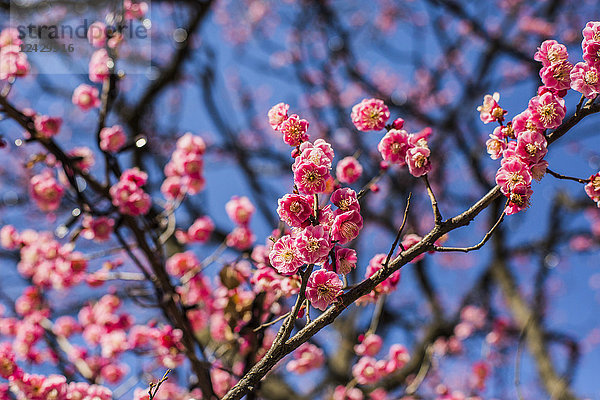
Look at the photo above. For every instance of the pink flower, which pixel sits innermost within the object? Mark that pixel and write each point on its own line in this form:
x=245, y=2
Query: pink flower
x=86, y=97
x=45, y=191
x=591, y=54
x=278, y=114
x=294, y=209
x=8, y=366
x=547, y=110
x=370, y=115
x=321, y=145
x=312, y=155
x=390, y=283
x=524, y=122
x=348, y=170
x=98, y=68
x=518, y=198
x=495, y=146
x=417, y=159
x=13, y=63
x=313, y=244
x=490, y=111
x=409, y=241
x=512, y=172
x=369, y=345
x=306, y=358
x=345, y=199
x=135, y=10
x=185, y=167
x=346, y=226
x=112, y=139
x=98, y=229
x=97, y=34
x=240, y=210
x=531, y=147
x=128, y=195
x=344, y=393
x=240, y=238
x=200, y=230
x=323, y=288
x=393, y=147
x=398, y=123
x=46, y=126
x=398, y=357
x=9, y=237
x=311, y=178
x=368, y=370
x=285, y=257
x=83, y=158
x=551, y=52
x=181, y=263
x=345, y=261
x=591, y=33
x=557, y=75
x=294, y=130
x=592, y=189
x=584, y=79
x=10, y=37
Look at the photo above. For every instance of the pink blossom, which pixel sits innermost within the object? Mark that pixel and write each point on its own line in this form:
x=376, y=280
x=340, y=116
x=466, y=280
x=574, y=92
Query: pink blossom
x=10, y=37
x=551, y=52
x=538, y=170
x=313, y=244
x=45, y=191
x=66, y=326
x=591, y=33
x=321, y=145
x=592, y=189
x=398, y=123
x=278, y=114
x=181, y=263
x=13, y=63
x=346, y=226
x=524, y=122
x=348, y=170
x=86, y=97
x=323, y=288
x=518, y=198
x=512, y=172
x=294, y=130
x=370, y=115
x=390, y=283
x=591, y=54
x=495, y=146
x=547, y=110
x=38, y=387
x=285, y=257
x=473, y=315
x=531, y=147
x=420, y=138
x=9, y=237
x=345, y=199
x=240, y=210
x=345, y=261
x=200, y=230
x=241, y=238
x=135, y=9
x=369, y=345
x=8, y=367
x=584, y=79
x=98, y=68
x=368, y=370
x=557, y=75
x=344, y=393
x=98, y=229
x=128, y=195
x=312, y=155
x=397, y=359
x=112, y=139
x=294, y=209
x=311, y=178
x=97, y=34
x=306, y=358
x=46, y=126
x=417, y=159
x=490, y=111
x=83, y=158
x=393, y=147
x=409, y=241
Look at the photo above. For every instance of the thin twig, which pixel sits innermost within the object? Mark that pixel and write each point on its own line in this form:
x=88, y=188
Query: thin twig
x=479, y=245
x=376, y=315
x=267, y=324
x=156, y=385
x=434, y=205
x=560, y=176
x=414, y=385
x=393, y=248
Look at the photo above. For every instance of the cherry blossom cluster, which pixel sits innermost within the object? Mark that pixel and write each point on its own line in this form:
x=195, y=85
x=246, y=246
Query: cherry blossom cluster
x=13, y=62
x=45, y=261
x=293, y=129
x=240, y=211
x=306, y=358
x=198, y=232
x=521, y=143
x=185, y=169
x=112, y=138
x=128, y=194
